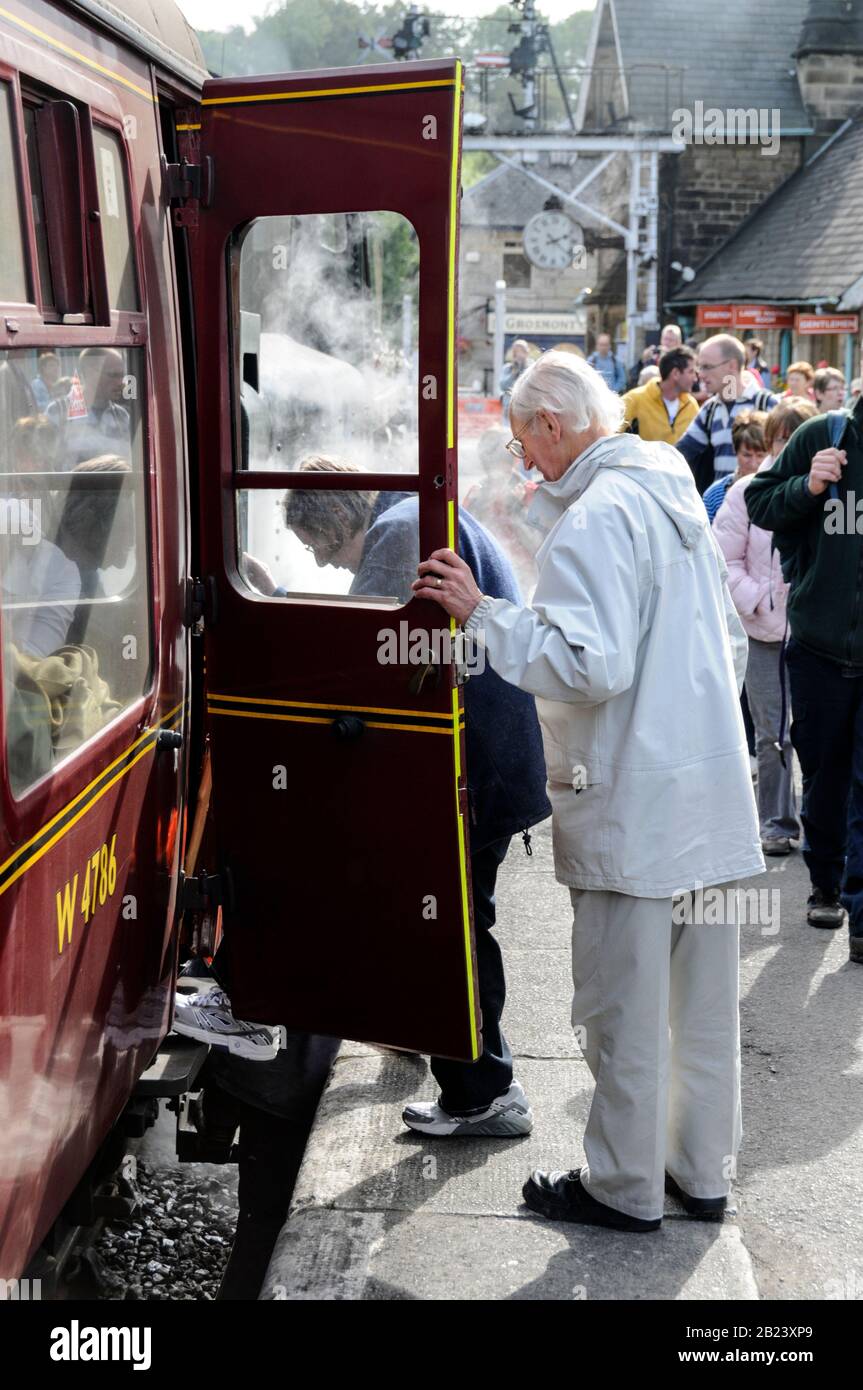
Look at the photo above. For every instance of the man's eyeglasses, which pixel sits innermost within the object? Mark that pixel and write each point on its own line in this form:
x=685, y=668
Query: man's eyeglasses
x=711, y=366
x=322, y=546
x=515, y=446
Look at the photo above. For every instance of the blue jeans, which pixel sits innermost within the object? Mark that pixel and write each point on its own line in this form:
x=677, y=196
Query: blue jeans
x=472, y=1086
x=827, y=733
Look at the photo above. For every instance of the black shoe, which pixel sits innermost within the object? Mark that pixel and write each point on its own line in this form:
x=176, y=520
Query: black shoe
x=561, y=1197
x=824, y=909
x=855, y=949
x=777, y=844
x=704, y=1208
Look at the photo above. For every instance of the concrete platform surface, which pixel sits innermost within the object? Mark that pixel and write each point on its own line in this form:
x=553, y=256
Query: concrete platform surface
x=381, y=1213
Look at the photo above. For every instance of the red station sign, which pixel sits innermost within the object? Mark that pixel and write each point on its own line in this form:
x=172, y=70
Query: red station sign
x=762, y=316
x=828, y=323
x=714, y=316
x=743, y=316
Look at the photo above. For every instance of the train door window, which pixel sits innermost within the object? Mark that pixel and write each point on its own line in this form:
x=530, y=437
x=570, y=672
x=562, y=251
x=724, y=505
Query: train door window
x=13, y=271
x=74, y=586
x=114, y=218
x=328, y=340
x=314, y=542
x=328, y=372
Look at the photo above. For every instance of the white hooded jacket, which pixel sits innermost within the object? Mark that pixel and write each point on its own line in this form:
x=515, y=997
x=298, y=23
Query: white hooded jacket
x=636, y=656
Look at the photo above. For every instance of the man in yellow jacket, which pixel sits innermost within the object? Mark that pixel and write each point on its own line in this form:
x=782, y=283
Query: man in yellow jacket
x=664, y=408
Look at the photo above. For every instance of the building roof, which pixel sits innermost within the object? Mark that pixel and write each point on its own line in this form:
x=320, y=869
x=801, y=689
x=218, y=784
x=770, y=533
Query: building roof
x=737, y=54
x=804, y=244
x=832, y=26
x=508, y=198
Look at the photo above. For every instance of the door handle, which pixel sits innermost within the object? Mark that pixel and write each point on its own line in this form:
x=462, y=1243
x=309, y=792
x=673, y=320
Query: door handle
x=421, y=675
x=168, y=738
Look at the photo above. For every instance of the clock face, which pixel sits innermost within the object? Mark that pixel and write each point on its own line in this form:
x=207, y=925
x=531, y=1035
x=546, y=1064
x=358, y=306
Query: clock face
x=549, y=240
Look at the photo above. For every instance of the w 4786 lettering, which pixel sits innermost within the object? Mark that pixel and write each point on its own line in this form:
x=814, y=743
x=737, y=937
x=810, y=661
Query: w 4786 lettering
x=97, y=881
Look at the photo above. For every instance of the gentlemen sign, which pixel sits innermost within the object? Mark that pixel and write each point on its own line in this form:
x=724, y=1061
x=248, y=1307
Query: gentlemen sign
x=828, y=323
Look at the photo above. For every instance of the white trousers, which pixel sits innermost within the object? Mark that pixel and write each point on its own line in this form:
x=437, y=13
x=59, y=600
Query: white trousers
x=655, y=1011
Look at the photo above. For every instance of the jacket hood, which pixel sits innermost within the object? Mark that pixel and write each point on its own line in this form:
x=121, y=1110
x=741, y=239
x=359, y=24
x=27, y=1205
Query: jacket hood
x=656, y=467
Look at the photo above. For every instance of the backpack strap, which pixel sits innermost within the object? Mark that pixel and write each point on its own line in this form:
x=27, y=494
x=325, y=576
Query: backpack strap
x=837, y=421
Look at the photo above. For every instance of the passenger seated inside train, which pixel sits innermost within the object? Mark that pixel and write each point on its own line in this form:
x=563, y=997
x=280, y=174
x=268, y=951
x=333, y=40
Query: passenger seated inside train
x=65, y=621
x=49, y=384
x=36, y=579
x=91, y=419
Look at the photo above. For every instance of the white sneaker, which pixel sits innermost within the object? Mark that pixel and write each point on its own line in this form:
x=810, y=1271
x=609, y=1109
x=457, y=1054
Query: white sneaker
x=207, y=1017
x=506, y=1118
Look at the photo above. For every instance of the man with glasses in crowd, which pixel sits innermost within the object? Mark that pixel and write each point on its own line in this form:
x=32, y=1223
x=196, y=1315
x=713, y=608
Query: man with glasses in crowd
x=707, y=445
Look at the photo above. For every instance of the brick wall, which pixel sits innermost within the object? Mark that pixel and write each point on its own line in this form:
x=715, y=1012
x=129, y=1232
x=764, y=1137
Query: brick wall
x=831, y=85
x=706, y=192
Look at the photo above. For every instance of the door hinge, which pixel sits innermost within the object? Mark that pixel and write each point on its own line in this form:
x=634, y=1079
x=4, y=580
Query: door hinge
x=200, y=604
x=185, y=182
x=201, y=892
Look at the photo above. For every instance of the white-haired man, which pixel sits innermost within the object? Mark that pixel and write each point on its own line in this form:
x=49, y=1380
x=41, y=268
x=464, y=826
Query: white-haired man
x=635, y=654
x=707, y=445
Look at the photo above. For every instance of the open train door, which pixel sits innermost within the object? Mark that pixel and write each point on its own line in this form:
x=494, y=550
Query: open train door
x=324, y=275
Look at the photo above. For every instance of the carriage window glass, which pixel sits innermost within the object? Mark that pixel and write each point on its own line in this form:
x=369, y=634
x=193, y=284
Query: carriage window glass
x=360, y=546
x=327, y=353
x=37, y=201
x=13, y=273
x=114, y=219
x=74, y=587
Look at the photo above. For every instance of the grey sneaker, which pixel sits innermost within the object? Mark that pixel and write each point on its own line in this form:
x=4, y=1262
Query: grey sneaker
x=855, y=949
x=508, y=1117
x=207, y=1017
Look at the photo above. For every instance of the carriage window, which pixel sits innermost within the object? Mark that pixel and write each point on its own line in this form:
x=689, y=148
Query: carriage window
x=74, y=595
x=37, y=200
x=114, y=216
x=13, y=274
x=327, y=354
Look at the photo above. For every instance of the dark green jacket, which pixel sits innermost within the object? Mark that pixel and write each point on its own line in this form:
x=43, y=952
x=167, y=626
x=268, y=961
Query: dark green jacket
x=818, y=539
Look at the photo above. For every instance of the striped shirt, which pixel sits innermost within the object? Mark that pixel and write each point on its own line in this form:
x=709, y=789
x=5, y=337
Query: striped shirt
x=716, y=494
x=711, y=429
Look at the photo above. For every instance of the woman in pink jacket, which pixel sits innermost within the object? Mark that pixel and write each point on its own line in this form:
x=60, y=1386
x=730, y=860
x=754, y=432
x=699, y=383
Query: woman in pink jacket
x=759, y=593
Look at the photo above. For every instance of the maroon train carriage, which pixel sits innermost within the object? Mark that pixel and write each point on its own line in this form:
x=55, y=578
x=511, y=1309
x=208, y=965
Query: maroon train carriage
x=204, y=283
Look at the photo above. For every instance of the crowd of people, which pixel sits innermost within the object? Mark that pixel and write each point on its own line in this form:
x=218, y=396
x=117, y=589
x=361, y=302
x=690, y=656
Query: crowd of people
x=715, y=402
